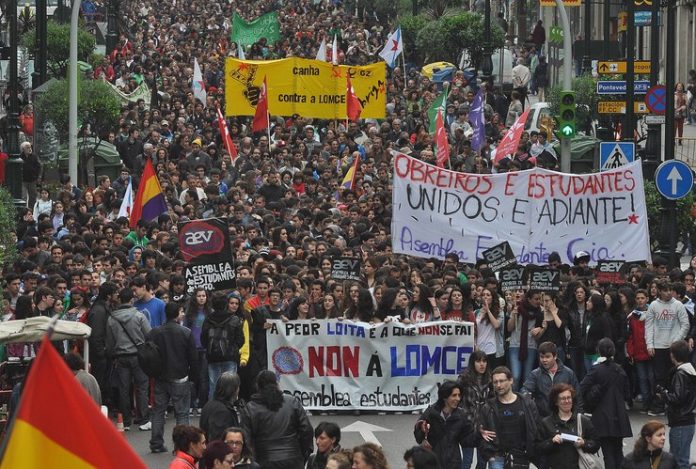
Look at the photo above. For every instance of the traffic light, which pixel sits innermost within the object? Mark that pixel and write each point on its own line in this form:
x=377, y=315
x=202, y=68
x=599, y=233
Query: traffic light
x=566, y=116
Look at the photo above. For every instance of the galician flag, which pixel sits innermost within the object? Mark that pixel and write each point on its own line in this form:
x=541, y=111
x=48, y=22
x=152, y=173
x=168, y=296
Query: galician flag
x=197, y=84
x=440, y=103
x=393, y=48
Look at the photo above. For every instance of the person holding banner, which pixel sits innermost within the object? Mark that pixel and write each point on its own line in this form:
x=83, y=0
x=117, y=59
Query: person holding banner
x=423, y=307
x=445, y=428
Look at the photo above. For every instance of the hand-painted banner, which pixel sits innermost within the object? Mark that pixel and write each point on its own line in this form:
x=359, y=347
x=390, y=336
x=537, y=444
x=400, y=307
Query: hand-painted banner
x=247, y=33
x=436, y=211
x=344, y=365
x=205, y=246
x=310, y=88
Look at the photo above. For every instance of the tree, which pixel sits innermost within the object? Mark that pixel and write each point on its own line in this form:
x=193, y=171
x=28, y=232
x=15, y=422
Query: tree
x=410, y=27
x=58, y=46
x=685, y=221
x=446, y=37
x=98, y=106
x=586, y=99
x=7, y=227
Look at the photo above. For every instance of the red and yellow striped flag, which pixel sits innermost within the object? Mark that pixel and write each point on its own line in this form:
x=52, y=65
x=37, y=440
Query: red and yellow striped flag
x=58, y=424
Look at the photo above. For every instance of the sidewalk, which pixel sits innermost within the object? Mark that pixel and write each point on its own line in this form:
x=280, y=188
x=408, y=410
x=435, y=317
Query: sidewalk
x=687, y=150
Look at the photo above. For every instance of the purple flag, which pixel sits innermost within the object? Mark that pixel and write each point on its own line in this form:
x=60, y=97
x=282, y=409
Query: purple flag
x=478, y=122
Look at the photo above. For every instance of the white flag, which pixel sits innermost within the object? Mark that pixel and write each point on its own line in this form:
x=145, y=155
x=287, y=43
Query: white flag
x=240, y=52
x=334, y=52
x=393, y=48
x=321, y=53
x=197, y=84
x=127, y=204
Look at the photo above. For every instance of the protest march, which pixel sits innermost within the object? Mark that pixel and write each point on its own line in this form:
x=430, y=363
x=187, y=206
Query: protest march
x=304, y=222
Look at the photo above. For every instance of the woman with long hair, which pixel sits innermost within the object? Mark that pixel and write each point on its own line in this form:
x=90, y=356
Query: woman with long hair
x=299, y=309
x=475, y=382
x=361, y=306
x=489, y=319
x=78, y=306
x=554, y=325
x=618, y=323
x=278, y=427
x=422, y=307
x=197, y=310
x=217, y=455
x=392, y=305
x=444, y=427
x=457, y=309
x=605, y=393
x=328, y=308
x=597, y=326
x=648, y=451
x=560, y=452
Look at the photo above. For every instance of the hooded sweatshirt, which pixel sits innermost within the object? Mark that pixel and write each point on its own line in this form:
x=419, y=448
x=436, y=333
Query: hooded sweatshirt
x=117, y=341
x=665, y=323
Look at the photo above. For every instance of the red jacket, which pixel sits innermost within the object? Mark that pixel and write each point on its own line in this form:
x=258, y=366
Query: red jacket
x=183, y=461
x=636, y=347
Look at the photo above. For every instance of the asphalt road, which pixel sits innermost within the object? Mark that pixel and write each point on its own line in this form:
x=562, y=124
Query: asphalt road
x=394, y=432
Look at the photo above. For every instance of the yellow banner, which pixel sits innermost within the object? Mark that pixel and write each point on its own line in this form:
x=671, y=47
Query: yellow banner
x=310, y=88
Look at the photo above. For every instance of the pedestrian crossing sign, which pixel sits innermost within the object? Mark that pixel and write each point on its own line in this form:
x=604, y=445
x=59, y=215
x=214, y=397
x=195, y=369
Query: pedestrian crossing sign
x=615, y=154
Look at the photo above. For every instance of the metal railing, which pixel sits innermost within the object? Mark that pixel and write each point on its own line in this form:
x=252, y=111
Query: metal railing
x=686, y=152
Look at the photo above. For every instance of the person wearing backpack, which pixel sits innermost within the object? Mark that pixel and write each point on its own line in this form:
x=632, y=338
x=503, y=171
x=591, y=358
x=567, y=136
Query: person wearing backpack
x=126, y=328
x=221, y=336
x=179, y=362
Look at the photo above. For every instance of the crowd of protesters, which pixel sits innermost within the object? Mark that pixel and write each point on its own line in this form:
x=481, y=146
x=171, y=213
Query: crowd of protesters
x=288, y=217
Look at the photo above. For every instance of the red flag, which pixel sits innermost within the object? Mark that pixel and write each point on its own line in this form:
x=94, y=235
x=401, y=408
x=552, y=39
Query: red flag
x=58, y=424
x=261, y=116
x=508, y=145
x=226, y=138
x=443, y=151
x=353, y=106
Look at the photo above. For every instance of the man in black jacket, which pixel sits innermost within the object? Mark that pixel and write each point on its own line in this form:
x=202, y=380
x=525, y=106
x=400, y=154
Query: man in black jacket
x=180, y=359
x=680, y=399
x=509, y=425
x=97, y=320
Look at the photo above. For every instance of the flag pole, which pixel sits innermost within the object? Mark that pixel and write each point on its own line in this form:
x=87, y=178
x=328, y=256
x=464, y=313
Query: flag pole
x=268, y=128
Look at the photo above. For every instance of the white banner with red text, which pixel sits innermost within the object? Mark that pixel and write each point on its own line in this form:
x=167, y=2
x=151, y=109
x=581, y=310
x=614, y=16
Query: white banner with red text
x=437, y=211
x=344, y=365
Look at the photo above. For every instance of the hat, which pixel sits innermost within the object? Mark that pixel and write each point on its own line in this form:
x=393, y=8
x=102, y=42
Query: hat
x=581, y=256
x=405, y=150
x=164, y=123
x=196, y=141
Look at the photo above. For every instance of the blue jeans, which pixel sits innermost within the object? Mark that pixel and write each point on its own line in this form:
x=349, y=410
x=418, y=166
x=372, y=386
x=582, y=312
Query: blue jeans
x=520, y=371
x=180, y=395
x=680, y=444
x=214, y=372
x=646, y=379
x=468, y=459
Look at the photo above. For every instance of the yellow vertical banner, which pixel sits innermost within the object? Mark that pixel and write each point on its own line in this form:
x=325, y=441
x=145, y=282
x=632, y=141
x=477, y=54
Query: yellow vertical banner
x=310, y=88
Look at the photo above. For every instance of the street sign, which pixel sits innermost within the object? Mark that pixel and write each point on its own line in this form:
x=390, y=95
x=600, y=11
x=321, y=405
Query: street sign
x=619, y=66
x=644, y=18
x=653, y=119
x=555, y=35
x=674, y=179
x=619, y=107
x=656, y=99
x=619, y=87
x=615, y=154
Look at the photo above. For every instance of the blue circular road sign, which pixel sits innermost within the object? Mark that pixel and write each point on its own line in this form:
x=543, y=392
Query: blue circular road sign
x=674, y=179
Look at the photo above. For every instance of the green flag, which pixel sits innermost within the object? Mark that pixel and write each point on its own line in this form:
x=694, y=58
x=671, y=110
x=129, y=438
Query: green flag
x=245, y=34
x=439, y=103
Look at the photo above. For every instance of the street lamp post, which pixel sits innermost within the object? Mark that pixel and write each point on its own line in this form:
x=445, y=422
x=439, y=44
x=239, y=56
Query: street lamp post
x=111, y=25
x=586, y=60
x=486, y=61
x=14, y=161
x=38, y=76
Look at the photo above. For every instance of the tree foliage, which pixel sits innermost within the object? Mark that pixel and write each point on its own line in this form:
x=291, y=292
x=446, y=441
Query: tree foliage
x=410, y=26
x=7, y=227
x=58, y=46
x=685, y=221
x=446, y=37
x=98, y=105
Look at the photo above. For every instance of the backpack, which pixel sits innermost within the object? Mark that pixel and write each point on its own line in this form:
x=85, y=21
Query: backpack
x=218, y=341
x=149, y=356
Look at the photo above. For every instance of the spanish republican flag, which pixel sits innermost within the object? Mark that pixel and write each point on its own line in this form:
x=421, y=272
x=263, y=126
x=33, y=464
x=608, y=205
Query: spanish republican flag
x=58, y=424
x=349, y=179
x=149, y=201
